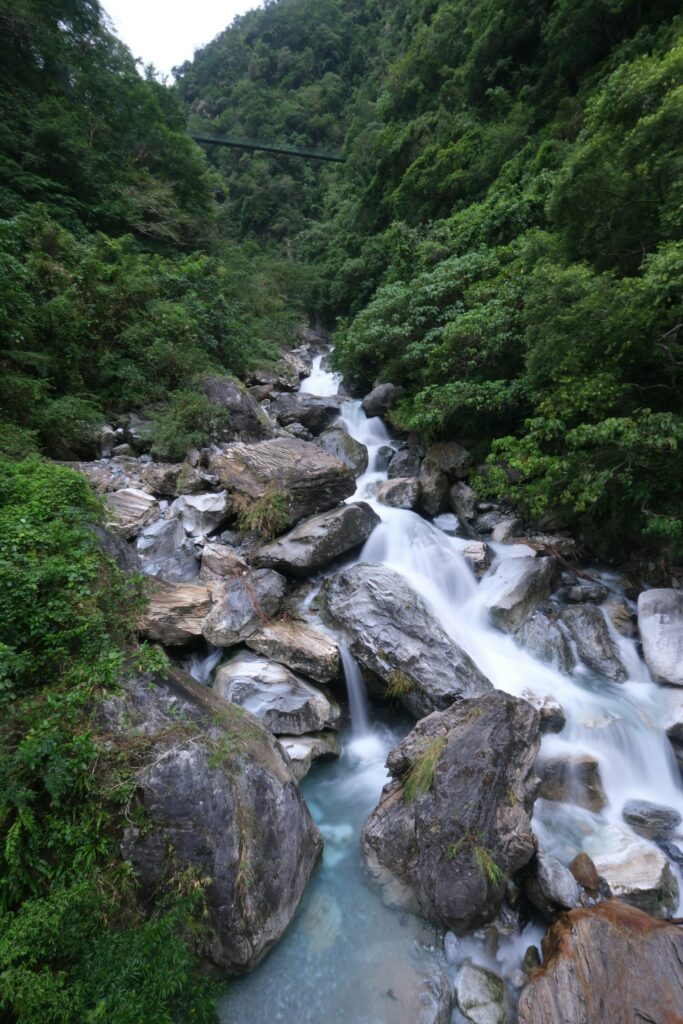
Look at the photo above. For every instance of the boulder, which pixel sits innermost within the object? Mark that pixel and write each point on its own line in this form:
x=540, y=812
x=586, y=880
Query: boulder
x=504, y=531
x=245, y=603
x=129, y=510
x=400, y=492
x=299, y=646
x=218, y=799
x=516, y=588
x=635, y=870
x=572, y=779
x=652, y=821
x=478, y=556
x=553, y=718
x=299, y=430
x=165, y=553
x=201, y=514
x=281, y=700
x=390, y=631
x=453, y=824
x=481, y=995
x=586, y=590
x=551, y=886
x=596, y=648
x=433, y=488
x=660, y=620
x=544, y=640
x=381, y=399
x=585, y=873
x=176, y=612
x=338, y=443
x=447, y=523
x=247, y=420
x=313, y=412
x=123, y=553
x=608, y=963
x=311, y=480
x=161, y=478
x=316, y=542
x=463, y=501
x=622, y=618
x=454, y=460
x=220, y=561
x=304, y=750
x=404, y=463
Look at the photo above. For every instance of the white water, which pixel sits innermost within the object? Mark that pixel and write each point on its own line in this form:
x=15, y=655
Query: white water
x=620, y=724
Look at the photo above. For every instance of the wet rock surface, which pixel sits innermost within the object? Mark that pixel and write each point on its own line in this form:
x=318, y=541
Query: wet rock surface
x=285, y=703
x=304, y=750
x=660, y=621
x=572, y=779
x=607, y=963
x=381, y=399
x=315, y=414
x=401, y=492
x=515, y=589
x=480, y=995
x=454, y=824
x=390, y=631
x=315, y=542
x=652, y=821
x=635, y=870
x=544, y=640
x=596, y=648
x=338, y=443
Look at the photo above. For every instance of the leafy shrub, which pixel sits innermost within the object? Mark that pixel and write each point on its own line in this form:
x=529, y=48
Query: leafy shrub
x=268, y=516
x=188, y=421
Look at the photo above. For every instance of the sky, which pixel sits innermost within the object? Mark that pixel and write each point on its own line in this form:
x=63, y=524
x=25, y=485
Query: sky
x=167, y=32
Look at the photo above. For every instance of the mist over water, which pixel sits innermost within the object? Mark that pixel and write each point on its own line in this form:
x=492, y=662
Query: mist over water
x=343, y=943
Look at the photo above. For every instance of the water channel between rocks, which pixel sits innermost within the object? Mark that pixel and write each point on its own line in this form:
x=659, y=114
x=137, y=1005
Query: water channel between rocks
x=348, y=958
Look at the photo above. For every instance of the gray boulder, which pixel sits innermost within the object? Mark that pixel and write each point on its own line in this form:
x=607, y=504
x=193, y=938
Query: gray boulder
x=123, y=553
x=286, y=704
x=652, y=821
x=405, y=463
x=338, y=443
x=463, y=501
x=481, y=995
x=454, y=824
x=660, y=620
x=310, y=479
x=299, y=646
x=401, y=492
x=478, y=556
x=312, y=412
x=451, y=458
x=165, y=553
x=201, y=514
x=572, y=779
x=316, y=542
x=390, y=631
x=635, y=870
x=381, y=399
x=433, y=488
x=551, y=886
x=247, y=420
x=245, y=602
x=516, y=588
x=607, y=963
x=545, y=641
x=218, y=798
x=596, y=648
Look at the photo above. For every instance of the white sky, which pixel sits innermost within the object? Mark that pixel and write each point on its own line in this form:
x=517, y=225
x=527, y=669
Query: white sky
x=167, y=32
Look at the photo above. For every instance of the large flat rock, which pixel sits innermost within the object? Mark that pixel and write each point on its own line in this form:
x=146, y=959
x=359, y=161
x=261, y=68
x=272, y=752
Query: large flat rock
x=317, y=541
x=390, y=631
x=176, y=612
x=299, y=646
x=311, y=480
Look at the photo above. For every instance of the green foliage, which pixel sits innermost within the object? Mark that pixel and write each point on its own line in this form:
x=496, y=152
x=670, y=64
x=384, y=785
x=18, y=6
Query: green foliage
x=421, y=774
x=72, y=945
x=267, y=516
x=398, y=684
x=188, y=421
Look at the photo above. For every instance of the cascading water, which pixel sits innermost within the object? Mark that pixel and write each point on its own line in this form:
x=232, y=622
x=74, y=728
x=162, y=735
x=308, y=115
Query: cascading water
x=344, y=945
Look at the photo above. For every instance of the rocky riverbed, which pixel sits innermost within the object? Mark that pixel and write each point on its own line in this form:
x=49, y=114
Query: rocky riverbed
x=528, y=706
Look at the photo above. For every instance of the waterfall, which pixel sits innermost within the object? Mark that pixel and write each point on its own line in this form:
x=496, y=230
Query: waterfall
x=355, y=688
x=201, y=666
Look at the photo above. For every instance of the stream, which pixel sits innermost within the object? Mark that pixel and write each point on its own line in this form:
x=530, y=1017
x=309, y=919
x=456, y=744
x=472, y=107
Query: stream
x=348, y=959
